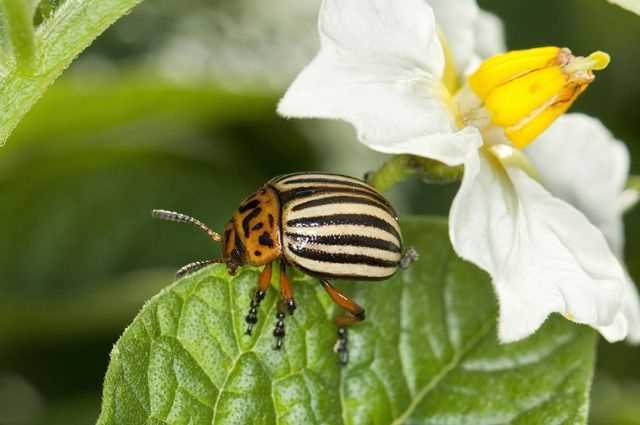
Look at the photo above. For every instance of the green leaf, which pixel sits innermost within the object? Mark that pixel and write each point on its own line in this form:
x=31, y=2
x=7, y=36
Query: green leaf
x=427, y=354
x=19, y=14
x=32, y=58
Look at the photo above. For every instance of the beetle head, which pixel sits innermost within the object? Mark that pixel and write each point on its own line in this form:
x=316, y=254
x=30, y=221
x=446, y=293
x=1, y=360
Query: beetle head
x=234, y=252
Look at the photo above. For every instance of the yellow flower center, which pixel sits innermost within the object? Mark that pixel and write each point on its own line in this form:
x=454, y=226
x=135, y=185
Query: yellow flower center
x=524, y=91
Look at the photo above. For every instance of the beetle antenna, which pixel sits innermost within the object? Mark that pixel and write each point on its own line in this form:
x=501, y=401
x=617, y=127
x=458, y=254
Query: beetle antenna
x=183, y=218
x=195, y=266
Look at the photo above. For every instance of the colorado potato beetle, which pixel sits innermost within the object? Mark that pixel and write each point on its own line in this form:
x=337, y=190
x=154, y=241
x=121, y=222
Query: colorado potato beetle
x=329, y=226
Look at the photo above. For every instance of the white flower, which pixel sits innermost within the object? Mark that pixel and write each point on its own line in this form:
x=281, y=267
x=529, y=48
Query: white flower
x=379, y=68
x=593, y=181
x=471, y=34
x=383, y=67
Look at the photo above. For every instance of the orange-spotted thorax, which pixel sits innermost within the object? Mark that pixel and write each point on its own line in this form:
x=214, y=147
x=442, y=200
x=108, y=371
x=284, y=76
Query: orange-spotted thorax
x=252, y=236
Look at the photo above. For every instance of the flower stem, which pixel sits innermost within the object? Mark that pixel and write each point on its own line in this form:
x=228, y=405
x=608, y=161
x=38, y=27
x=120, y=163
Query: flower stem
x=400, y=167
x=395, y=170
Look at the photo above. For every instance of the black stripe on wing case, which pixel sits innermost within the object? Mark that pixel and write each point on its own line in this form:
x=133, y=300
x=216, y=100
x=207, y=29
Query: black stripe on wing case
x=349, y=240
x=342, y=199
x=337, y=219
x=335, y=258
x=329, y=180
x=283, y=177
x=287, y=176
x=304, y=192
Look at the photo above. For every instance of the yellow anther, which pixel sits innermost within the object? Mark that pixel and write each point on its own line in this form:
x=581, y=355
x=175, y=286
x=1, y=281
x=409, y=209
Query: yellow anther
x=524, y=91
x=596, y=61
x=600, y=60
x=505, y=67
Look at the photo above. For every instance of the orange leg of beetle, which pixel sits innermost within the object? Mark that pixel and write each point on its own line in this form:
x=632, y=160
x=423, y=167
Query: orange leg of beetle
x=343, y=321
x=263, y=284
x=286, y=303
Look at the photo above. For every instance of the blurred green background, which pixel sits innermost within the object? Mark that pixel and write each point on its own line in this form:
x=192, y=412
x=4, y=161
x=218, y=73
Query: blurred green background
x=174, y=107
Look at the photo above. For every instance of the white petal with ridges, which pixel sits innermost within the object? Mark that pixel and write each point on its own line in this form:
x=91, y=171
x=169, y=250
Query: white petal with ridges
x=456, y=19
x=580, y=161
x=543, y=255
x=489, y=35
x=471, y=34
x=379, y=68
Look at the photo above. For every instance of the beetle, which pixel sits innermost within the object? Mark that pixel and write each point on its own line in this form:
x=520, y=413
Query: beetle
x=329, y=226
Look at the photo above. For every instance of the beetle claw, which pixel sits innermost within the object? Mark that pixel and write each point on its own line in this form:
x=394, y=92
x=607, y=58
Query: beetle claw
x=410, y=256
x=341, y=346
x=251, y=318
x=279, y=331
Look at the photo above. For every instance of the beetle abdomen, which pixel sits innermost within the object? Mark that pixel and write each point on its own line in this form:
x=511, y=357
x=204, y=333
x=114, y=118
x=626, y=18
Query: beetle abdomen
x=335, y=226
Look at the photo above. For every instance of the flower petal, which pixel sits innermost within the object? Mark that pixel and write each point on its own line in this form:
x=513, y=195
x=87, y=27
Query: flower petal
x=544, y=256
x=489, y=35
x=386, y=32
x=471, y=33
x=581, y=162
x=451, y=149
x=456, y=19
x=593, y=182
x=631, y=312
x=379, y=68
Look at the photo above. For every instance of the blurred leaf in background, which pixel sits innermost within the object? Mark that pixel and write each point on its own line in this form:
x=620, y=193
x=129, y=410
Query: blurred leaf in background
x=38, y=40
x=237, y=44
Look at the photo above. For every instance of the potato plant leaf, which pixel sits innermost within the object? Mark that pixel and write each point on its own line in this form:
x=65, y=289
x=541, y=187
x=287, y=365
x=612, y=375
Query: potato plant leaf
x=427, y=354
x=32, y=57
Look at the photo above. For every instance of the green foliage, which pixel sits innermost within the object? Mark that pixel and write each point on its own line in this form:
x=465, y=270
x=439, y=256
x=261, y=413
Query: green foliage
x=80, y=251
x=33, y=56
x=427, y=353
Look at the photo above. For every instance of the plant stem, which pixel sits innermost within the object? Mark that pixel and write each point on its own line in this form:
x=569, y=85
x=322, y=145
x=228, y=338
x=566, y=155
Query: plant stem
x=398, y=168
x=20, y=32
x=393, y=171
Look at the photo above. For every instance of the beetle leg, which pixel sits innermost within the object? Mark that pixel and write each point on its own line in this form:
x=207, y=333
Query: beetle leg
x=279, y=331
x=285, y=288
x=263, y=283
x=357, y=315
x=286, y=304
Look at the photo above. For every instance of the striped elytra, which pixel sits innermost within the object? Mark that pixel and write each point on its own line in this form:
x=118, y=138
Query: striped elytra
x=328, y=225
x=335, y=226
